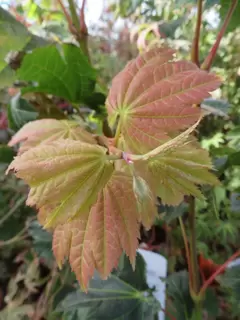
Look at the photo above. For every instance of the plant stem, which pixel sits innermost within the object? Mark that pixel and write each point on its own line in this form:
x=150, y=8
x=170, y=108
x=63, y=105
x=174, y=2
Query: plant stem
x=68, y=17
x=75, y=20
x=209, y=281
x=206, y=65
x=195, y=45
x=193, y=247
x=185, y=240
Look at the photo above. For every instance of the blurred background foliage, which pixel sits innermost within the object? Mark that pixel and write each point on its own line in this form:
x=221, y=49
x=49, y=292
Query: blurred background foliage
x=28, y=274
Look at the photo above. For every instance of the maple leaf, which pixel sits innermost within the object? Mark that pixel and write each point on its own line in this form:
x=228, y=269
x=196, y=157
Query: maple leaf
x=176, y=171
x=98, y=238
x=46, y=130
x=153, y=96
x=65, y=177
x=73, y=241
x=145, y=201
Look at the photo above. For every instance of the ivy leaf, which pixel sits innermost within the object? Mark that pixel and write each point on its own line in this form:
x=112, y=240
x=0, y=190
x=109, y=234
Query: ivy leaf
x=175, y=173
x=38, y=132
x=178, y=290
x=65, y=72
x=153, y=96
x=111, y=299
x=99, y=237
x=65, y=177
x=20, y=112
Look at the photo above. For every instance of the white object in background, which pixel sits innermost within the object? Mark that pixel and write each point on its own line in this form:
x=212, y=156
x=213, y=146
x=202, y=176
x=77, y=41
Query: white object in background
x=156, y=268
x=234, y=263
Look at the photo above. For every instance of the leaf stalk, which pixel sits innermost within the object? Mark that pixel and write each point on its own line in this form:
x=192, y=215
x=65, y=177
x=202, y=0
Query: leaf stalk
x=207, y=63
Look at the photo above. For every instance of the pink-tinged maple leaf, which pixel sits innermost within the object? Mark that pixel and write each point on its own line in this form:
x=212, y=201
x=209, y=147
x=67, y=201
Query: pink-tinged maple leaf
x=64, y=176
x=97, y=239
x=154, y=96
x=73, y=241
x=43, y=131
x=115, y=223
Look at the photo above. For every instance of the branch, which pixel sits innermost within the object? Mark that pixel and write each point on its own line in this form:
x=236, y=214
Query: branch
x=219, y=270
x=195, y=45
x=206, y=65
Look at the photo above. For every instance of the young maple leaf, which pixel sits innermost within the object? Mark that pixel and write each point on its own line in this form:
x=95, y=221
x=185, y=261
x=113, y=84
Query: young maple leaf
x=46, y=130
x=154, y=96
x=65, y=177
x=176, y=172
x=97, y=238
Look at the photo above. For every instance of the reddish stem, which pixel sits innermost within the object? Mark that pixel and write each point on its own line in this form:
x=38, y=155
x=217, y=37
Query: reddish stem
x=83, y=26
x=68, y=17
x=210, y=280
x=206, y=65
x=195, y=45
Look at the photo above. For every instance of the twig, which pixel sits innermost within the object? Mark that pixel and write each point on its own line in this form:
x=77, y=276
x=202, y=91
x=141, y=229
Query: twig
x=206, y=65
x=195, y=45
x=209, y=281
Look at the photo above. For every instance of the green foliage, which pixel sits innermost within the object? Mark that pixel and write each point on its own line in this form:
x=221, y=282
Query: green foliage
x=20, y=112
x=6, y=154
x=106, y=299
x=178, y=290
x=29, y=278
x=64, y=72
x=234, y=23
